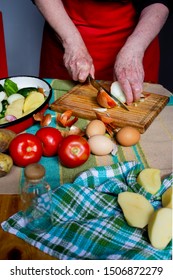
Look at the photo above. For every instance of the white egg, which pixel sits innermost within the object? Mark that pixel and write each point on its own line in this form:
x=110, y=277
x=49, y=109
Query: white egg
x=117, y=91
x=100, y=145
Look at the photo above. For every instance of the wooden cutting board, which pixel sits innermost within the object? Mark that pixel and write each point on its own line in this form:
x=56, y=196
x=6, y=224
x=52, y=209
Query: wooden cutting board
x=81, y=99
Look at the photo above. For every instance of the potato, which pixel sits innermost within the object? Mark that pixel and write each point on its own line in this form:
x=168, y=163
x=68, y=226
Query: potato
x=136, y=208
x=33, y=101
x=6, y=164
x=160, y=228
x=167, y=198
x=150, y=180
x=15, y=108
x=6, y=136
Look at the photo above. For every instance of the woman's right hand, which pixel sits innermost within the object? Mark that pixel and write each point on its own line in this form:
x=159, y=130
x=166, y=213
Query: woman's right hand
x=78, y=61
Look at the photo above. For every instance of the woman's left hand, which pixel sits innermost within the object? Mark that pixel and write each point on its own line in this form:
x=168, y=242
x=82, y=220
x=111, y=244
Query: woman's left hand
x=128, y=70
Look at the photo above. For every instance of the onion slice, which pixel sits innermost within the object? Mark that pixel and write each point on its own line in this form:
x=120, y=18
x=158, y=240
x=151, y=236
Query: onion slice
x=104, y=100
x=117, y=91
x=10, y=118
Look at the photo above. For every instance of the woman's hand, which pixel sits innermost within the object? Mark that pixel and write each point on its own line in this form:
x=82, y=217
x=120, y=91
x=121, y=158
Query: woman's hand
x=78, y=61
x=128, y=70
x=76, y=57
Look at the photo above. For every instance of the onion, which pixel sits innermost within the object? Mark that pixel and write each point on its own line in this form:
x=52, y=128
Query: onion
x=2, y=96
x=46, y=120
x=117, y=91
x=100, y=109
x=104, y=100
x=10, y=118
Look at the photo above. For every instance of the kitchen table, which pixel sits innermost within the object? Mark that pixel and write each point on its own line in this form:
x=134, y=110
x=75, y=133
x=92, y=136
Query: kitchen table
x=153, y=150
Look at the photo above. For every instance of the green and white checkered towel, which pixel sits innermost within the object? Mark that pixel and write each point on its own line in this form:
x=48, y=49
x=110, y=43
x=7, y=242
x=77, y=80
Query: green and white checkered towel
x=88, y=222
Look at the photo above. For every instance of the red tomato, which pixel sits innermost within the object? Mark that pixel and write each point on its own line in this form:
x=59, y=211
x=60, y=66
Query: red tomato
x=50, y=138
x=25, y=148
x=73, y=151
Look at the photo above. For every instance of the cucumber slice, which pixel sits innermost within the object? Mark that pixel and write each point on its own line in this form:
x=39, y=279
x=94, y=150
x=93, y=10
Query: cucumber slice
x=25, y=91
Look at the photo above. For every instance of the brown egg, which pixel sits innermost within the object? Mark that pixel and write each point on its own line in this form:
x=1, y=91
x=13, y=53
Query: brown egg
x=128, y=136
x=95, y=127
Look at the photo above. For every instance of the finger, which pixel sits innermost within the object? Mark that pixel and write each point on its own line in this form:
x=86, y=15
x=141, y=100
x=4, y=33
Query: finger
x=73, y=68
x=74, y=76
x=83, y=75
x=137, y=85
x=72, y=72
x=92, y=71
x=136, y=88
x=132, y=86
x=126, y=88
x=85, y=71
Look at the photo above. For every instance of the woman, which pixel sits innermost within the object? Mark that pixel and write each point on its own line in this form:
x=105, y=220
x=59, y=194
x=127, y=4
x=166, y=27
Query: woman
x=107, y=39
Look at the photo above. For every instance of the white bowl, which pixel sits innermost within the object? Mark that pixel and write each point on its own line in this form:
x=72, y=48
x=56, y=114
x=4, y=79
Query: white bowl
x=26, y=121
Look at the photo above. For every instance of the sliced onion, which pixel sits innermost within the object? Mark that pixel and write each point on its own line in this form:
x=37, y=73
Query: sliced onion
x=3, y=96
x=46, y=120
x=115, y=149
x=104, y=100
x=117, y=91
x=100, y=109
x=105, y=118
x=10, y=118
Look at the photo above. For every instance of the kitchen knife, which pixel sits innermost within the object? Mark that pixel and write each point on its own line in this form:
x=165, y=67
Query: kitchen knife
x=98, y=86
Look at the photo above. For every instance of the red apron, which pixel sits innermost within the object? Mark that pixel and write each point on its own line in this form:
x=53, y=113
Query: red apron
x=104, y=27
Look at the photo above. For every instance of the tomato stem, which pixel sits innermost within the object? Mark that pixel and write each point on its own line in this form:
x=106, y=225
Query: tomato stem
x=75, y=150
x=29, y=149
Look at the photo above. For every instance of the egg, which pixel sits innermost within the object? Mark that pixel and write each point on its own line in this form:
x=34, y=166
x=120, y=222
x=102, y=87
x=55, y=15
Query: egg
x=100, y=145
x=95, y=127
x=128, y=136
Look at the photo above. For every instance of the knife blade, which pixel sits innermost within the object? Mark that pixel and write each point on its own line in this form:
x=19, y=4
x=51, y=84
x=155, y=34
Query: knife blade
x=98, y=86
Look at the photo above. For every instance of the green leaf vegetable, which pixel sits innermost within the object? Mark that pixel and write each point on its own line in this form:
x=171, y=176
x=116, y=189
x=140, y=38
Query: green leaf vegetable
x=10, y=87
x=26, y=91
x=4, y=107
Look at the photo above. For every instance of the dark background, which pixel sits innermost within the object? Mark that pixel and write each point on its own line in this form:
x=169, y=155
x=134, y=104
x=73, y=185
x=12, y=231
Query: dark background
x=166, y=47
x=23, y=26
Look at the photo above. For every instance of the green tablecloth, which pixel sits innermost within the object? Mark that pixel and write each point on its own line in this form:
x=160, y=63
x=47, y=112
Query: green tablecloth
x=57, y=174
x=88, y=223
x=153, y=150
